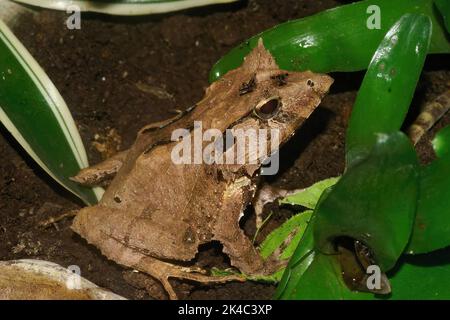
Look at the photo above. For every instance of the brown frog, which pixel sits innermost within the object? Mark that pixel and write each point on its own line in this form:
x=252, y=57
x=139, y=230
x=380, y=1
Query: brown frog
x=156, y=211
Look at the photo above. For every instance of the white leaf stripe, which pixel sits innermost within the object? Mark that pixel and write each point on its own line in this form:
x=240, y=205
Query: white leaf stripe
x=117, y=8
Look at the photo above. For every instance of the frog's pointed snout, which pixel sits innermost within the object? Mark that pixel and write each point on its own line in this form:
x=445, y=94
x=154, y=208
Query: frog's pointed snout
x=320, y=82
x=81, y=223
x=89, y=222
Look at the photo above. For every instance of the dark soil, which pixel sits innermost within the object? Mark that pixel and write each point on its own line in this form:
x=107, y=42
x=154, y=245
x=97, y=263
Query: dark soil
x=104, y=70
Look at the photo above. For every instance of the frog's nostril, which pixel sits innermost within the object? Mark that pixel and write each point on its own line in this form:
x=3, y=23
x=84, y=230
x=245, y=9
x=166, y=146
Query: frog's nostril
x=268, y=108
x=117, y=199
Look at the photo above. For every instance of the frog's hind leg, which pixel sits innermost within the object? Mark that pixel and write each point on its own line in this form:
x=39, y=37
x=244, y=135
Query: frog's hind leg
x=163, y=271
x=102, y=226
x=236, y=244
x=100, y=174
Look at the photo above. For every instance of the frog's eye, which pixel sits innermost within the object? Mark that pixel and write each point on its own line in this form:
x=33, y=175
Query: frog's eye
x=268, y=108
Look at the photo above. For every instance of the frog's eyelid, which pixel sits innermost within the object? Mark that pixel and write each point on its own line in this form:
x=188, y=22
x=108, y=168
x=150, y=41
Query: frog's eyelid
x=268, y=108
x=249, y=86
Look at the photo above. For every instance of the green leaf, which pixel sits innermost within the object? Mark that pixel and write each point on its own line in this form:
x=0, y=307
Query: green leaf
x=301, y=260
x=334, y=40
x=37, y=117
x=441, y=143
x=422, y=277
x=321, y=280
x=313, y=275
x=415, y=278
x=289, y=234
x=309, y=197
x=432, y=226
x=374, y=202
x=123, y=7
x=389, y=84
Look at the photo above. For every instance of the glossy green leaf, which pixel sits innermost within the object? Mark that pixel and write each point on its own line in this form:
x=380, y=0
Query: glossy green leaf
x=376, y=199
x=314, y=275
x=309, y=197
x=421, y=277
x=389, y=84
x=123, y=7
x=366, y=205
x=322, y=280
x=37, y=116
x=335, y=40
x=441, y=143
x=432, y=225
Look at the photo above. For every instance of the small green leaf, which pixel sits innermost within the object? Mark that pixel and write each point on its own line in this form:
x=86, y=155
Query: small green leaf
x=301, y=259
x=441, y=143
x=432, y=226
x=289, y=233
x=308, y=197
x=123, y=7
x=389, y=84
x=37, y=117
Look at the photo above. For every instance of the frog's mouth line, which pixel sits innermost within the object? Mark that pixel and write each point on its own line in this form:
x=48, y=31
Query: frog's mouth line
x=147, y=252
x=181, y=263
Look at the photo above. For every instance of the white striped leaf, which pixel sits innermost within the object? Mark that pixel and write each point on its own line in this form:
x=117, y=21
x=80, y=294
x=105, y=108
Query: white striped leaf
x=34, y=112
x=124, y=7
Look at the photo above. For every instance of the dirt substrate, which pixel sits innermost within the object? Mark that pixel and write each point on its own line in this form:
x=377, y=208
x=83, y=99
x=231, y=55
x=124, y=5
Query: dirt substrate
x=117, y=75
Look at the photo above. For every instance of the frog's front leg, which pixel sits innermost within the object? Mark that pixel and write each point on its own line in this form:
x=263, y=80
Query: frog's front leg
x=97, y=174
x=236, y=244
